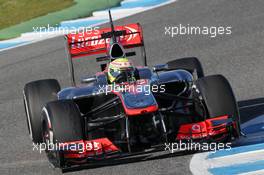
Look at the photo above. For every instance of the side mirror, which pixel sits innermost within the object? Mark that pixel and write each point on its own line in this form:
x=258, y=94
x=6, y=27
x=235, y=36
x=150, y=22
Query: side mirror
x=89, y=79
x=160, y=67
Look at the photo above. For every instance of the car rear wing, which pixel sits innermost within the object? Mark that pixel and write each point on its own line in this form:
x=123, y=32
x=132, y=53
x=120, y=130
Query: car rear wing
x=97, y=42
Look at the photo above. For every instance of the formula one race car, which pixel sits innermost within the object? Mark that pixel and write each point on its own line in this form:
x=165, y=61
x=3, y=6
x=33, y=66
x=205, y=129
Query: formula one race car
x=125, y=109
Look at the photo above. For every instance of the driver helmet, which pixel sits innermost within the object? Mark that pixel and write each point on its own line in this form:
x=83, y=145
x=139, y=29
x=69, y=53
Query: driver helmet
x=121, y=70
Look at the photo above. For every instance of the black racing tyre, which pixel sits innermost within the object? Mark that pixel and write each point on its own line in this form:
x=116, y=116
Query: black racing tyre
x=218, y=97
x=190, y=64
x=35, y=95
x=61, y=123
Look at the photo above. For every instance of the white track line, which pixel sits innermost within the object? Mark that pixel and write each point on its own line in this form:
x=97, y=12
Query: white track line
x=260, y=172
x=240, y=158
x=198, y=165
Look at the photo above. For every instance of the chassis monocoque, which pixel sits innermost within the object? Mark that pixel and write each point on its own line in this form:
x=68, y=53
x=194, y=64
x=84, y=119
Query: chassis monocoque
x=172, y=102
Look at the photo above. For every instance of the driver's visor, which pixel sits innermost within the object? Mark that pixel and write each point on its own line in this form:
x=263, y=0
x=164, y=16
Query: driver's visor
x=128, y=72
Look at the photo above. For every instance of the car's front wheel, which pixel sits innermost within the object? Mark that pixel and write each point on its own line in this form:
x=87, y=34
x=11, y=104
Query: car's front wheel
x=218, y=99
x=61, y=123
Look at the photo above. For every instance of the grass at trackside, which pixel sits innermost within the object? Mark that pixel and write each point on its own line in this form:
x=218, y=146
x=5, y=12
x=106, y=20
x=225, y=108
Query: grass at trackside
x=17, y=11
x=79, y=9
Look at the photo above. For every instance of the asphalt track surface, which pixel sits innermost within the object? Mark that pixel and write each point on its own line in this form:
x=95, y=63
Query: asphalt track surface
x=238, y=56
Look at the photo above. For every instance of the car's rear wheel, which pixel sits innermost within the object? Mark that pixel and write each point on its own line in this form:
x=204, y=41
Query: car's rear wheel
x=218, y=98
x=61, y=123
x=35, y=95
x=191, y=64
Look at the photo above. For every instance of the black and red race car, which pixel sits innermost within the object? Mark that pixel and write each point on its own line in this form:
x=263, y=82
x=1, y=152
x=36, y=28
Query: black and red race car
x=87, y=123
